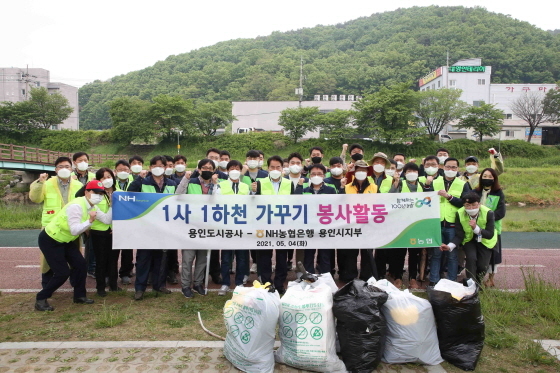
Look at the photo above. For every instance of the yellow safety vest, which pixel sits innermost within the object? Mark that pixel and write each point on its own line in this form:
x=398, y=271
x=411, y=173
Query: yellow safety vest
x=268, y=189
x=226, y=188
x=58, y=229
x=52, y=197
x=97, y=225
x=447, y=210
x=481, y=222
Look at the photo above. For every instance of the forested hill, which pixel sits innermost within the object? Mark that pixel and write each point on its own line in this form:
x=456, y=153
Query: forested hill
x=355, y=57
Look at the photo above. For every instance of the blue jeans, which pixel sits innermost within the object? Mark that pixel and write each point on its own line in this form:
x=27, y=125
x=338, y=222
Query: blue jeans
x=447, y=235
x=242, y=265
x=147, y=261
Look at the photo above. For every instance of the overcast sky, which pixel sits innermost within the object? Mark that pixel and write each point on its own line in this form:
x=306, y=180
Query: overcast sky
x=79, y=41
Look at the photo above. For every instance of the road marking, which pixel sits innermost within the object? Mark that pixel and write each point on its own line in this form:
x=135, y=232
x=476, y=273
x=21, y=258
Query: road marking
x=520, y=265
x=28, y=266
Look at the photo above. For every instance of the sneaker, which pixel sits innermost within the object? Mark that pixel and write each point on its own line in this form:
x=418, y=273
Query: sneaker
x=187, y=292
x=125, y=280
x=413, y=284
x=101, y=293
x=273, y=267
x=217, y=279
x=245, y=279
x=199, y=289
x=115, y=289
x=91, y=274
x=163, y=291
x=254, y=268
x=172, y=278
x=223, y=290
x=138, y=295
x=398, y=283
x=289, y=266
x=43, y=305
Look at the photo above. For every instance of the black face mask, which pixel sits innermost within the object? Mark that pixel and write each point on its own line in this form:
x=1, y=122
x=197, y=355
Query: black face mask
x=487, y=182
x=316, y=160
x=206, y=175
x=357, y=156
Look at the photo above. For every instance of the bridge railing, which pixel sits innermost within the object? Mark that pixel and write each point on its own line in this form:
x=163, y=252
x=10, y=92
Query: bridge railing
x=19, y=153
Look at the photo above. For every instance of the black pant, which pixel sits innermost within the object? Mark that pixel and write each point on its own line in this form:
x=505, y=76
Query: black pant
x=59, y=256
x=264, y=263
x=148, y=261
x=367, y=264
x=396, y=262
x=323, y=260
x=46, y=277
x=215, y=267
x=106, y=259
x=477, y=258
x=127, y=263
x=413, y=262
x=172, y=262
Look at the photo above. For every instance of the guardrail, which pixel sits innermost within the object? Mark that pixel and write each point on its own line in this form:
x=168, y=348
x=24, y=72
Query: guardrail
x=25, y=154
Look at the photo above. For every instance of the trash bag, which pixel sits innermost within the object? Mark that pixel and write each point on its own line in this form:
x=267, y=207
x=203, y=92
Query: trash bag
x=307, y=329
x=325, y=278
x=456, y=289
x=360, y=325
x=250, y=318
x=460, y=327
x=411, y=328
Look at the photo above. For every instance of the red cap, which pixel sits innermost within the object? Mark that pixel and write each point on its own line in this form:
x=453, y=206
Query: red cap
x=95, y=185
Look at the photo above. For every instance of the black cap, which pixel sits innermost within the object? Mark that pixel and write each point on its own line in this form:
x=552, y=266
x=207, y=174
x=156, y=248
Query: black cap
x=471, y=158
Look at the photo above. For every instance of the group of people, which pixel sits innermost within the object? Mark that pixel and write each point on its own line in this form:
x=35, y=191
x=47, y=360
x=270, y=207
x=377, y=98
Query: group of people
x=77, y=211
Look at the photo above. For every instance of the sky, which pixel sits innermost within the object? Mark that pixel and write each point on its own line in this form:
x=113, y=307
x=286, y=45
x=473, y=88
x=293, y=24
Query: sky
x=79, y=42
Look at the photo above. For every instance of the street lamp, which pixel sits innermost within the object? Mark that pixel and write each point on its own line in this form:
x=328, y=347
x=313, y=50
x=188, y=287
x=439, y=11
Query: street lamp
x=179, y=132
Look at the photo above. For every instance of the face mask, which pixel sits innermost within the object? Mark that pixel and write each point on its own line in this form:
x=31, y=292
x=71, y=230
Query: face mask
x=252, y=164
x=316, y=160
x=206, y=175
x=378, y=168
x=295, y=169
x=431, y=170
x=180, y=168
x=234, y=174
x=337, y=171
x=411, y=176
x=471, y=169
x=64, y=173
x=136, y=168
x=442, y=159
x=450, y=173
x=215, y=163
x=260, y=163
x=123, y=175
x=390, y=173
x=94, y=199
x=107, y=183
x=168, y=171
x=472, y=212
x=223, y=164
x=275, y=174
x=286, y=171
x=400, y=165
x=360, y=175
x=158, y=171
x=487, y=182
x=82, y=166
x=357, y=156
x=316, y=180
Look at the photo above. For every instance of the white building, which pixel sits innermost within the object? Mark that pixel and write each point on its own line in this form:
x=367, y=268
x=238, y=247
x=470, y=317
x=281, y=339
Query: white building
x=15, y=84
x=474, y=80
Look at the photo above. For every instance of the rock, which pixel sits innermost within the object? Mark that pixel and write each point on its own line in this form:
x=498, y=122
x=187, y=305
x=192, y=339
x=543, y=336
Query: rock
x=15, y=197
x=521, y=204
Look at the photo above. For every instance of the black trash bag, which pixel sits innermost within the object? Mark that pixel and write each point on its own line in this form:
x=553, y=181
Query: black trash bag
x=360, y=325
x=460, y=328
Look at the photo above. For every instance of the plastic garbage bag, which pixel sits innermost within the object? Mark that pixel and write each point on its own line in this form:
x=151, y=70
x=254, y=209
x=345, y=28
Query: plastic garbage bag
x=251, y=317
x=457, y=290
x=307, y=329
x=411, y=328
x=325, y=278
x=460, y=327
x=360, y=325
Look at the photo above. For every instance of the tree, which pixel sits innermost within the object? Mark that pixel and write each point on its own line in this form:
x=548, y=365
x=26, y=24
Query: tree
x=437, y=108
x=485, y=120
x=212, y=115
x=337, y=124
x=16, y=117
x=552, y=104
x=131, y=120
x=298, y=121
x=48, y=109
x=530, y=107
x=170, y=113
x=387, y=114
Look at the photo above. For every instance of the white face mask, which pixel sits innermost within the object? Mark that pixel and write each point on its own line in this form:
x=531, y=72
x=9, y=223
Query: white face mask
x=379, y=168
x=123, y=175
x=295, y=169
x=412, y=176
x=136, y=168
x=260, y=163
x=180, y=168
x=431, y=171
x=360, y=175
x=337, y=171
x=252, y=164
x=82, y=166
x=168, y=171
x=286, y=171
x=442, y=159
x=64, y=173
x=107, y=183
x=390, y=172
x=215, y=163
x=234, y=174
x=400, y=165
x=450, y=173
x=275, y=174
x=95, y=198
x=472, y=212
x=316, y=180
x=471, y=169
x=158, y=171
x=223, y=164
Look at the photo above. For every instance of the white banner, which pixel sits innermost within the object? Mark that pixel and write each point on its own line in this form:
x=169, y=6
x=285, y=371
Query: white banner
x=217, y=222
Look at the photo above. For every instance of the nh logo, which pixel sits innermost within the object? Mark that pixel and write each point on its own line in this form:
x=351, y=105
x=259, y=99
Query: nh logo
x=127, y=198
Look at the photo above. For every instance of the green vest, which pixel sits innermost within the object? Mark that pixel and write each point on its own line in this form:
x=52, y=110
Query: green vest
x=405, y=188
x=481, y=222
x=53, y=203
x=169, y=189
x=385, y=184
x=97, y=225
x=58, y=229
x=227, y=189
x=492, y=204
x=118, y=187
x=194, y=189
x=268, y=189
x=447, y=210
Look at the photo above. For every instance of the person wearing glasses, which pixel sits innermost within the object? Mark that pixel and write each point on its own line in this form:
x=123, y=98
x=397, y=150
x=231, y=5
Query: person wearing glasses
x=450, y=189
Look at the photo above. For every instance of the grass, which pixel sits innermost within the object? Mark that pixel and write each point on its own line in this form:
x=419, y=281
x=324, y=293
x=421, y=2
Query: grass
x=20, y=216
x=532, y=219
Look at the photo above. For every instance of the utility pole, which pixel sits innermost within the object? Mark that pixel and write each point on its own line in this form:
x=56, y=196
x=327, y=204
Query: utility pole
x=26, y=78
x=299, y=91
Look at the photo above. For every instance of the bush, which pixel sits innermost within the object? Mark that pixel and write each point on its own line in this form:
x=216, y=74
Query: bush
x=71, y=141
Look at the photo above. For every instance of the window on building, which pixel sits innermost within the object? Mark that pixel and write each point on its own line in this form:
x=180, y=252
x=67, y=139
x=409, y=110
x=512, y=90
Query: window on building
x=477, y=103
x=23, y=92
x=452, y=83
x=439, y=84
x=37, y=84
x=434, y=86
x=508, y=116
x=54, y=127
x=509, y=133
x=481, y=81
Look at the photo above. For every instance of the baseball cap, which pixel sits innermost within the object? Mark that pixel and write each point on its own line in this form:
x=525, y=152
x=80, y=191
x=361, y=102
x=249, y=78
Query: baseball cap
x=95, y=186
x=471, y=158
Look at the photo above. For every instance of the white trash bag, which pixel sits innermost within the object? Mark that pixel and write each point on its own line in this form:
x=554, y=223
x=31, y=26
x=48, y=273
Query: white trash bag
x=307, y=329
x=457, y=290
x=411, y=327
x=250, y=318
x=325, y=278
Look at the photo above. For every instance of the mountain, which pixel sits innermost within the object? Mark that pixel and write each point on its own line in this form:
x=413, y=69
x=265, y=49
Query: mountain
x=354, y=57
